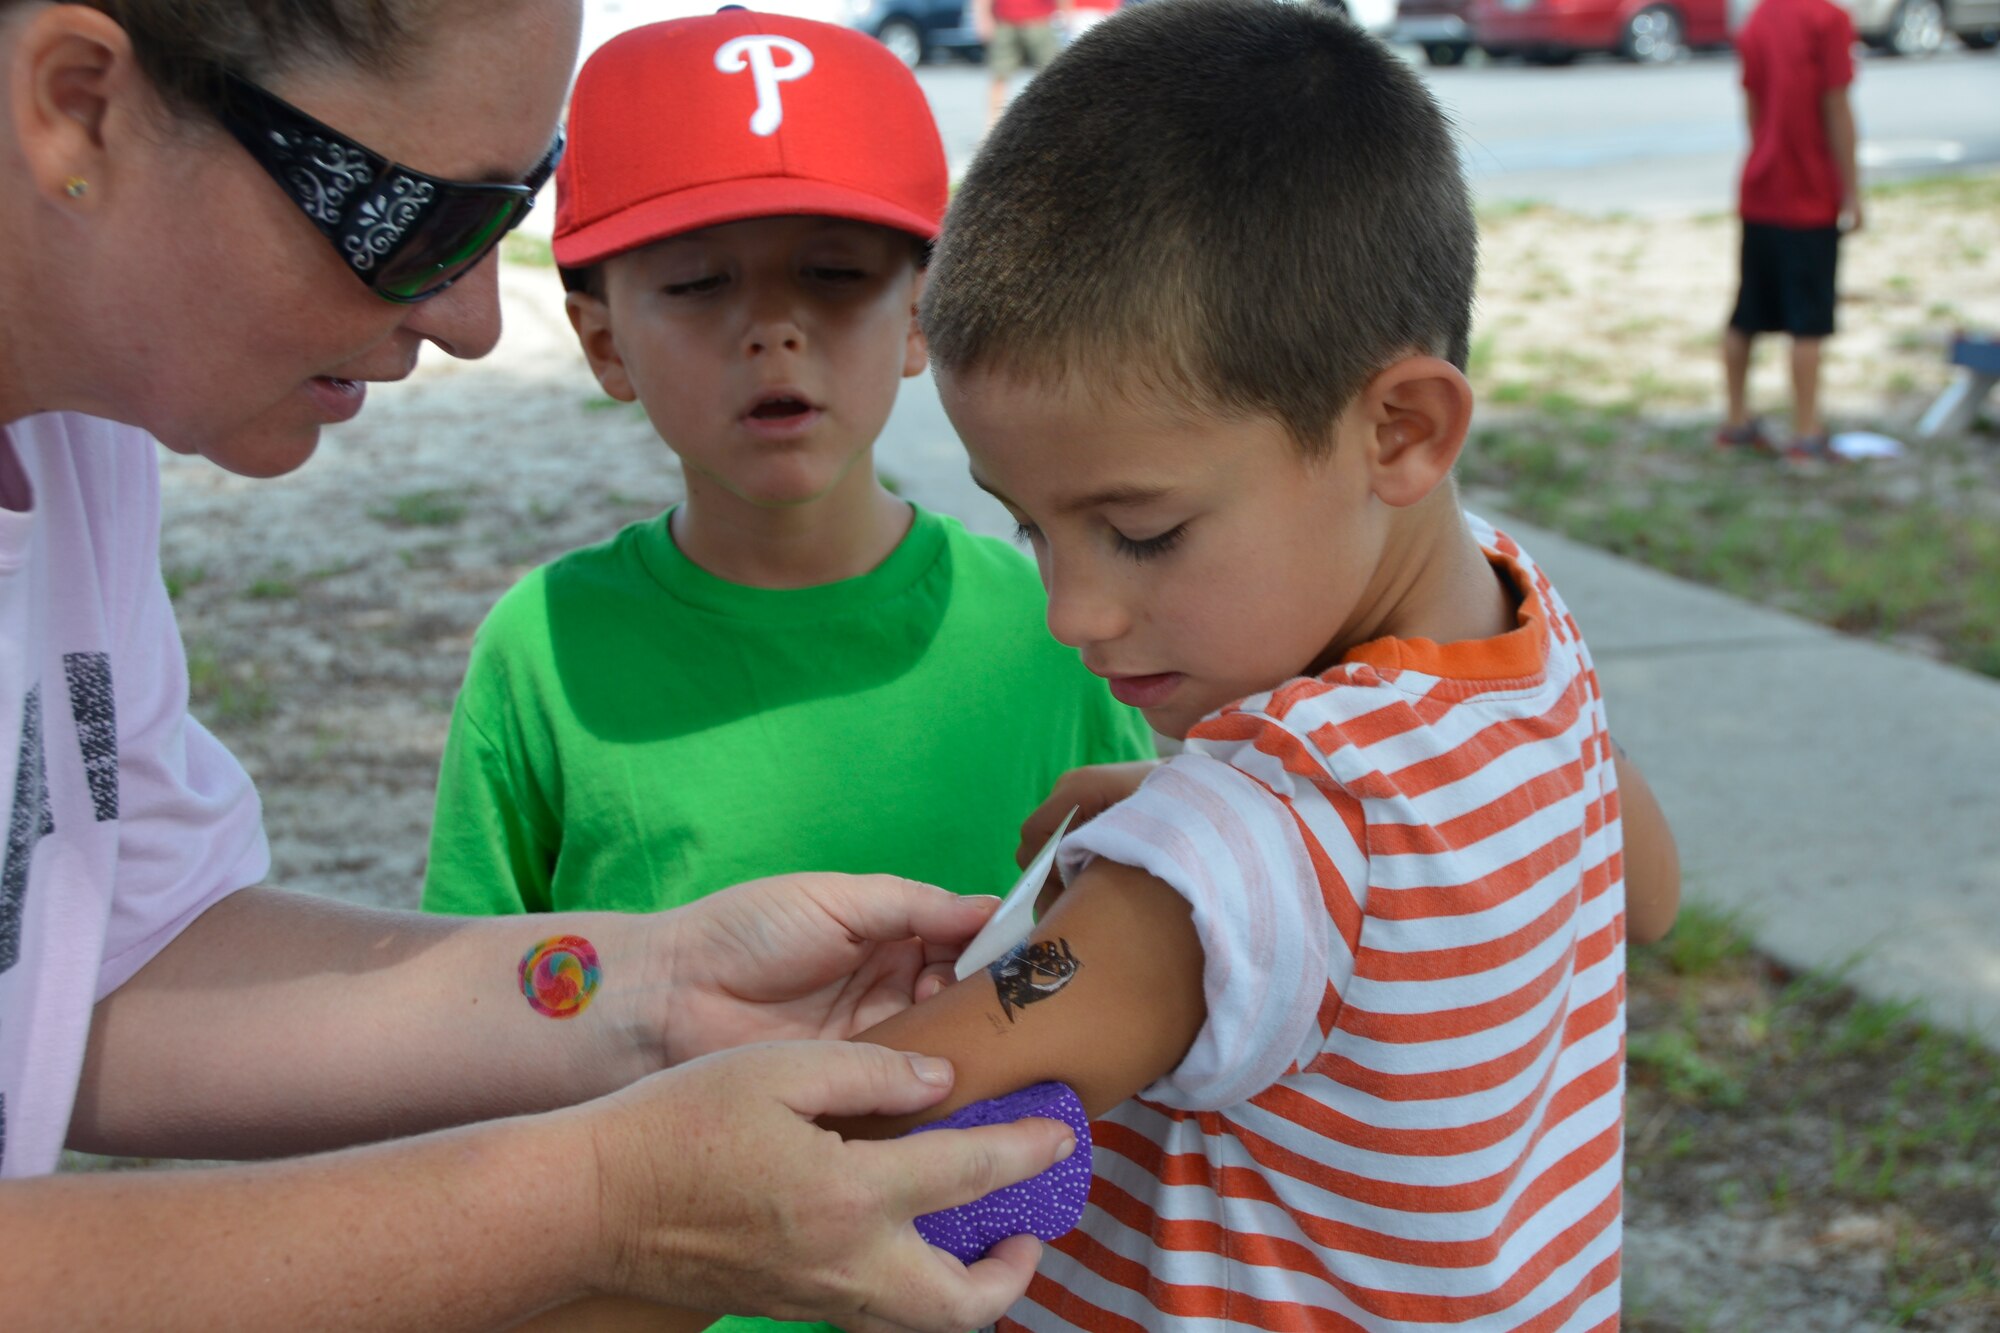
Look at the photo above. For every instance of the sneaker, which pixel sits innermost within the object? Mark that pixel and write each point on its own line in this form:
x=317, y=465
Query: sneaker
x=1811, y=449
x=1750, y=435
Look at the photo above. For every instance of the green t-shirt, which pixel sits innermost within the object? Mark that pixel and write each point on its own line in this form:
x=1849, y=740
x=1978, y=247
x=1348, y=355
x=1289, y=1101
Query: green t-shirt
x=634, y=732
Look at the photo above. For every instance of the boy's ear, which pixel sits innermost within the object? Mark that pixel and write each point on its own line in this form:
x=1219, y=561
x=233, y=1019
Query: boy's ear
x=1416, y=414
x=917, y=350
x=591, y=318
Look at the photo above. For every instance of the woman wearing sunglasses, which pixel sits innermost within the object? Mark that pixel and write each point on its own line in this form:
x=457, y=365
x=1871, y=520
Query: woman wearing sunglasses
x=220, y=221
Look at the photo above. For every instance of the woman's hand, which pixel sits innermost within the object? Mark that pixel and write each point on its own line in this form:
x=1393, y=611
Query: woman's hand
x=717, y=1191
x=806, y=956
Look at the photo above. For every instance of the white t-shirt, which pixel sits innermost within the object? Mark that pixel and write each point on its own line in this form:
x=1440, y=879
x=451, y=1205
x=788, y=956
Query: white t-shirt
x=125, y=819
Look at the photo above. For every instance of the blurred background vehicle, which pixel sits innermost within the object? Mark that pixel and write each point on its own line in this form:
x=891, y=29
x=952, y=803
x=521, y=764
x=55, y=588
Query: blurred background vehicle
x=1437, y=26
x=1920, y=27
x=1555, y=31
x=915, y=30
x=1376, y=16
x=920, y=30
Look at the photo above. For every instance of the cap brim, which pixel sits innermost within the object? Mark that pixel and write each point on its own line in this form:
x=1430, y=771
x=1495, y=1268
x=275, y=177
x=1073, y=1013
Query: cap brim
x=730, y=201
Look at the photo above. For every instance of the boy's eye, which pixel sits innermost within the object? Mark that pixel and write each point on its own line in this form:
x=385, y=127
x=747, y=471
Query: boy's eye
x=1149, y=548
x=694, y=286
x=834, y=273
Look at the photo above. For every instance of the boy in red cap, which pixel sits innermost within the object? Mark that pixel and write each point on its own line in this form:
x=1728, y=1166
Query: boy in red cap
x=793, y=669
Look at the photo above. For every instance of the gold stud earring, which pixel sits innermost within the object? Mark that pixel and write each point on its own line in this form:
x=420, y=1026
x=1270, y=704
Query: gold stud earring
x=76, y=187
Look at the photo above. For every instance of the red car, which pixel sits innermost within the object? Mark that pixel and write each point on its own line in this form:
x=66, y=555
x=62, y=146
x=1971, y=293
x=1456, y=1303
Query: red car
x=1553, y=31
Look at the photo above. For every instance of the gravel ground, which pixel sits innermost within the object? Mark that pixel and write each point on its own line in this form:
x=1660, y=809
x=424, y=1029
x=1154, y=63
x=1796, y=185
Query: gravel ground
x=328, y=622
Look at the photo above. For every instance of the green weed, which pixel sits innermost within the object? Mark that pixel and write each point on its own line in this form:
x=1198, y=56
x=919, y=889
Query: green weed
x=522, y=248
x=420, y=509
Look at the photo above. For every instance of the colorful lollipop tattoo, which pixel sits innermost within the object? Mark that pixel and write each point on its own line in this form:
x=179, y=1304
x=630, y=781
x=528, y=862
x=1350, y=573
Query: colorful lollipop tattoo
x=560, y=975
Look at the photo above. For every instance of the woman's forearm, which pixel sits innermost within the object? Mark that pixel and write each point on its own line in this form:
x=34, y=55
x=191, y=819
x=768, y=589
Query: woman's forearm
x=467, y=1229
x=279, y=1023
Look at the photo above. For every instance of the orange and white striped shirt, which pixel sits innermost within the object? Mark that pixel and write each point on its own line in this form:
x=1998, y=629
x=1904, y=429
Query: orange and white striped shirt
x=1405, y=1108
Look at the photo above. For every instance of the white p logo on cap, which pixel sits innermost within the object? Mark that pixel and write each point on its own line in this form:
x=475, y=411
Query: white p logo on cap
x=756, y=54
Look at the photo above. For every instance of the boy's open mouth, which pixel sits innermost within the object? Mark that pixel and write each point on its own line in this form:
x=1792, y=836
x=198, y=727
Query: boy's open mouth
x=780, y=407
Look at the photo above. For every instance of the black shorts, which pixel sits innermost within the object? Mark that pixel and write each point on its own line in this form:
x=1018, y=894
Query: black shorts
x=1787, y=280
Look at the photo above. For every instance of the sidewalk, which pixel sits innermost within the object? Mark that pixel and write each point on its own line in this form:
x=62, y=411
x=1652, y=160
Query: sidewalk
x=1843, y=796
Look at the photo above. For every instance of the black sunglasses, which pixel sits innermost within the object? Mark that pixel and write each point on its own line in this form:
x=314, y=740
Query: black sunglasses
x=406, y=235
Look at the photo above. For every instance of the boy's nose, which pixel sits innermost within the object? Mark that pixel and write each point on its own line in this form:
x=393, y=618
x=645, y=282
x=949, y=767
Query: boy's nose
x=771, y=322
x=1083, y=612
x=770, y=337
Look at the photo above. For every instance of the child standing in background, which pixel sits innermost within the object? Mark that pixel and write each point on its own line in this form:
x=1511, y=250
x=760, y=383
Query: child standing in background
x=1800, y=189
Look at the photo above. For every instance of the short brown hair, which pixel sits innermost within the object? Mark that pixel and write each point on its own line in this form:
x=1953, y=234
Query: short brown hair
x=1251, y=205
x=183, y=45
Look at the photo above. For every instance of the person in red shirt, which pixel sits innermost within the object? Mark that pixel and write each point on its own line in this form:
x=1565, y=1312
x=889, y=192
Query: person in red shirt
x=1016, y=33
x=1800, y=191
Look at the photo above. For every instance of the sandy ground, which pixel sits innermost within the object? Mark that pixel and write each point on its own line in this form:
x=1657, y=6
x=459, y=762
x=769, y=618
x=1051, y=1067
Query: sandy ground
x=327, y=624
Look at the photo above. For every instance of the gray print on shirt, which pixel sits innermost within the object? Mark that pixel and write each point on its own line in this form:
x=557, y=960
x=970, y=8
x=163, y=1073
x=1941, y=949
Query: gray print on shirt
x=30, y=822
x=91, y=704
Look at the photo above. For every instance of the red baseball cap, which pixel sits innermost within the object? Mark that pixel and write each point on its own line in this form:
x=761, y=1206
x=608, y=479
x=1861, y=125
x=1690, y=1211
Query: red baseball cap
x=736, y=115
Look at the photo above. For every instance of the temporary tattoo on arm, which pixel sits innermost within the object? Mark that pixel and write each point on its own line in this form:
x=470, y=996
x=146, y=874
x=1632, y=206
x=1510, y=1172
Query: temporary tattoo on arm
x=1032, y=972
x=560, y=975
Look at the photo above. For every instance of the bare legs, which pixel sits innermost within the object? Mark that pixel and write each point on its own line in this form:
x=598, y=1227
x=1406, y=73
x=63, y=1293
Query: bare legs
x=1805, y=388
x=1736, y=375
x=1805, y=382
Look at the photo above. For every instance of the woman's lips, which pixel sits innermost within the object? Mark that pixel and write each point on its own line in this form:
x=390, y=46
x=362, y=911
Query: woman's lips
x=337, y=399
x=1145, y=691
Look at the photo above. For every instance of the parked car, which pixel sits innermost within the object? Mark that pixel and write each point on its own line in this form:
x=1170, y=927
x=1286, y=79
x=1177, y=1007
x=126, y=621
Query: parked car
x=1376, y=16
x=919, y=30
x=1554, y=31
x=913, y=29
x=1438, y=26
x=1919, y=27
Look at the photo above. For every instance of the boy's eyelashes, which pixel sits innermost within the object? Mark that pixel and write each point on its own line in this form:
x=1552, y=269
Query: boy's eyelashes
x=829, y=274
x=694, y=286
x=1151, y=548
x=1136, y=548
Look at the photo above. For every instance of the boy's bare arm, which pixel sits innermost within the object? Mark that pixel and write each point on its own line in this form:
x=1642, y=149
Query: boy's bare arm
x=1106, y=996
x=1843, y=141
x=1114, y=1005
x=1652, y=861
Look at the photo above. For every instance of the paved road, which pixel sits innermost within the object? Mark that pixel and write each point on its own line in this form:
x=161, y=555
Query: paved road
x=1602, y=136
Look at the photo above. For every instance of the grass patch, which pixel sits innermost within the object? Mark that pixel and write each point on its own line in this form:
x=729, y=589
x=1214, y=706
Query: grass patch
x=420, y=509
x=226, y=692
x=534, y=251
x=1765, y=1093
x=1979, y=193
x=1918, y=561
x=182, y=578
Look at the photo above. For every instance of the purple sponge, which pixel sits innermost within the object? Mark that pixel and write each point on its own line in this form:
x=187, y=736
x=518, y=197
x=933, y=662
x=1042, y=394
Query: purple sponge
x=1047, y=1205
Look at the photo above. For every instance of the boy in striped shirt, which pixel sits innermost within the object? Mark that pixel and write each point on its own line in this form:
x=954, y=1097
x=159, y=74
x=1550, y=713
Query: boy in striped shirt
x=1356, y=957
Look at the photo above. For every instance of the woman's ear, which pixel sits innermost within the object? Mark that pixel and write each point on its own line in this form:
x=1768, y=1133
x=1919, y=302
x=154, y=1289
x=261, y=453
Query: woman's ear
x=70, y=67
x=590, y=316
x=1416, y=413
